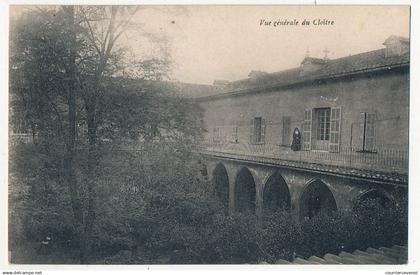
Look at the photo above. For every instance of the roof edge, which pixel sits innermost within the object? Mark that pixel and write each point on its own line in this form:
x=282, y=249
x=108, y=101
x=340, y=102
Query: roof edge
x=252, y=90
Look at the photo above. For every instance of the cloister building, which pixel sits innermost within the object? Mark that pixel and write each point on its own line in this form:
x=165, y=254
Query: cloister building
x=347, y=118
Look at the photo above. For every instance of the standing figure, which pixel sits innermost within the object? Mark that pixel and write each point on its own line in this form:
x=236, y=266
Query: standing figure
x=296, y=143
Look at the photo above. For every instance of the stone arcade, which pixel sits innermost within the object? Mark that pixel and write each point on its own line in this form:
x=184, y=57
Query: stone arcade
x=352, y=113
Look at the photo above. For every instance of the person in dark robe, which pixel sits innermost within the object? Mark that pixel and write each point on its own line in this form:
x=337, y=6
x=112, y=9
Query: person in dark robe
x=296, y=143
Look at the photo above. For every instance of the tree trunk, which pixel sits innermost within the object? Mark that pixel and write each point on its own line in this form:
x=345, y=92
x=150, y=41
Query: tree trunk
x=71, y=137
x=90, y=106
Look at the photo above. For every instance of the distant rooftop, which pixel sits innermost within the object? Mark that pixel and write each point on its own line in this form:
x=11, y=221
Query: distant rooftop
x=319, y=69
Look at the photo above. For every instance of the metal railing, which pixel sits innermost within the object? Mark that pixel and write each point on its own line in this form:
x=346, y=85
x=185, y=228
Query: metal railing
x=380, y=159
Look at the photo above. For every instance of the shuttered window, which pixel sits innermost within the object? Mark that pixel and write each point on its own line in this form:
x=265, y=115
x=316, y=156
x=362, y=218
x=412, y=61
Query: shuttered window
x=335, y=127
x=370, y=131
x=257, y=129
x=366, y=132
x=235, y=132
x=263, y=127
x=285, y=135
x=257, y=135
x=217, y=134
x=307, y=129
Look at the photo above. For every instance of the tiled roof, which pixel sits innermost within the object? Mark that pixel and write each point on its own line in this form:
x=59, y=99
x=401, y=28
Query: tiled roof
x=324, y=69
x=314, y=60
x=363, y=62
x=192, y=90
x=188, y=90
x=393, y=38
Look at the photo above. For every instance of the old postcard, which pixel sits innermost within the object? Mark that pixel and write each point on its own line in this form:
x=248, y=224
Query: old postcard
x=211, y=135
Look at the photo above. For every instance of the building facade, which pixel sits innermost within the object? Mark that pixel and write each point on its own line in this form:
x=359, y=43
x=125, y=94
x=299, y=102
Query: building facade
x=350, y=113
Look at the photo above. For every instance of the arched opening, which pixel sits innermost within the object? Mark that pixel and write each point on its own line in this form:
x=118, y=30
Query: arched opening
x=276, y=196
x=373, y=200
x=245, y=192
x=316, y=198
x=221, y=185
x=379, y=220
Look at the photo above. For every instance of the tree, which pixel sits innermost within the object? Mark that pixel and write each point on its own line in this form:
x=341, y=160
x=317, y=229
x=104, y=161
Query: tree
x=64, y=63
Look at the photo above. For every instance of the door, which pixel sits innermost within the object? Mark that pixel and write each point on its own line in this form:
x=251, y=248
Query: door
x=321, y=126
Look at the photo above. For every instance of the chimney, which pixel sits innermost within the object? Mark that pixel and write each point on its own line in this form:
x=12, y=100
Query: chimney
x=311, y=64
x=257, y=75
x=396, y=46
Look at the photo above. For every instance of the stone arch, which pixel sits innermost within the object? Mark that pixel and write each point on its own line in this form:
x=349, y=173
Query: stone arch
x=245, y=191
x=316, y=198
x=220, y=180
x=276, y=195
x=373, y=198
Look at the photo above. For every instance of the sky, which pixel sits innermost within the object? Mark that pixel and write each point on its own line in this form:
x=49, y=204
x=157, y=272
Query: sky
x=210, y=43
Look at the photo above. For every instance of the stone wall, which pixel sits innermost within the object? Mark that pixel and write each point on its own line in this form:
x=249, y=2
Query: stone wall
x=385, y=94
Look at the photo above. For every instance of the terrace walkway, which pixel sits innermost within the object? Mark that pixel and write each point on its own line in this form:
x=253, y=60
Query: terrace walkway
x=384, y=166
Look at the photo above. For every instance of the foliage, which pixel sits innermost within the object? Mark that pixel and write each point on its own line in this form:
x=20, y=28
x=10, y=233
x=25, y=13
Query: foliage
x=63, y=66
x=143, y=198
x=38, y=198
x=37, y=78
x=371, y=226
x=280, y=236
x=156, y=207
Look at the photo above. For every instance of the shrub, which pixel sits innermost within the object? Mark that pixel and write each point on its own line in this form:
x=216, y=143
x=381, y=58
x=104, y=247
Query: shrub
x=279, y=236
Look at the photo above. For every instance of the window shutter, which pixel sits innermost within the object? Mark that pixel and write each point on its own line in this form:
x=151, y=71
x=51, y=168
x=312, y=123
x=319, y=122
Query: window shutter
x=285, y=139
x=263, y=127
x=252, y=132
x=307, y=130
x=215, y=134
x=335, y=120
x=370, y=131
x=234, y=131
x=360, y=126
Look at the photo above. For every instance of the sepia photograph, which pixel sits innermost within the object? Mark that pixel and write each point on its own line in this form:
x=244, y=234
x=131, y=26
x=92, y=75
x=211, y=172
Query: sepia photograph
x=208, y=135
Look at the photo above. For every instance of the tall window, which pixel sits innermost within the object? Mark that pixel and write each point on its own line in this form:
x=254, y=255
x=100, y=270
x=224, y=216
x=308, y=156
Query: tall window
x=285, y=139
x=257, y=129
x=323, y=124
x=235, y=132
x=321, y=129
x=368, y=131
x=154, y=130
x=217, y=134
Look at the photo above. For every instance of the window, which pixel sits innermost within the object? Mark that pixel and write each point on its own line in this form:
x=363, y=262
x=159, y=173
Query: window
x=285, y=138
x=335, y=122
x=321, y=129
x=370, y=132
x=154, y=130
x=368, y=137
x=323, y=124
x=257, y=131
x=217, y=134
x=235, y=131
x=307, y=130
